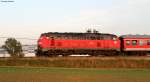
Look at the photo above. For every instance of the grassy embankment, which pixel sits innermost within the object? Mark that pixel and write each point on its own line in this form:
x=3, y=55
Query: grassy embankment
x=80, y=62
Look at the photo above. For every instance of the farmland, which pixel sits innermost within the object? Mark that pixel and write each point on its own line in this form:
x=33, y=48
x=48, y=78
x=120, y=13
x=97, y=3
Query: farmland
x=75, y=69
x=44, y=74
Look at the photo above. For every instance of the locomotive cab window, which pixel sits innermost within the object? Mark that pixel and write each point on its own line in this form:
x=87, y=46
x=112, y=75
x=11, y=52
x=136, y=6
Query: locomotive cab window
x=128, y=42
x=134, y=42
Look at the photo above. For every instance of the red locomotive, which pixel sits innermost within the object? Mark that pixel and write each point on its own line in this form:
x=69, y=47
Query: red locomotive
x=94, y=44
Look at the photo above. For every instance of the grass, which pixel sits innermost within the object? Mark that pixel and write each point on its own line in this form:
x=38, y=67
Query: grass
x=44, y=74
x=75, y=69
x=79, y=62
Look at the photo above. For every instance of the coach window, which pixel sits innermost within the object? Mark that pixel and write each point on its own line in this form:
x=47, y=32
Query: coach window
x=148, y=42
x=141, y=42
x=128, y=42
x=134, y=42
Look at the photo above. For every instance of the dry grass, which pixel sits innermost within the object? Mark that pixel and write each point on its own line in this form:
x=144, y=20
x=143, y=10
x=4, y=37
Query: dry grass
x=80, y=62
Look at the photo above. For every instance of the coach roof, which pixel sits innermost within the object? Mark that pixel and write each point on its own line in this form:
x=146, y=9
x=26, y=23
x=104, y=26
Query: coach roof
x=135, y=36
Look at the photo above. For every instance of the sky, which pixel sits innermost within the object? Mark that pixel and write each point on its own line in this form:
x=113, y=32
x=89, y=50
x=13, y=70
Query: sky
x=30, y=18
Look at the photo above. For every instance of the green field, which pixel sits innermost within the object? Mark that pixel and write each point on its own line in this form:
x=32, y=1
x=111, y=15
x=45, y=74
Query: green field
x=36, y=74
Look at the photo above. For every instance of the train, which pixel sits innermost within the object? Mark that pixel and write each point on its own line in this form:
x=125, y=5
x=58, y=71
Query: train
x=94, y=44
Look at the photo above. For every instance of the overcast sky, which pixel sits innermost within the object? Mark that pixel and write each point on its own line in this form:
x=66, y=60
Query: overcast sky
x=30, y=18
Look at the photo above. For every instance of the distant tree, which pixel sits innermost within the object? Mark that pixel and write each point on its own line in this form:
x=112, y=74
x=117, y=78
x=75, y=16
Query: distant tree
x=13, y=47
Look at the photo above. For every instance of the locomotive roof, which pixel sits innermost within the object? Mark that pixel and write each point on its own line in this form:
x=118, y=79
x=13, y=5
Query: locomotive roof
x=78, y=36
x=135, y=36
x=73, y=33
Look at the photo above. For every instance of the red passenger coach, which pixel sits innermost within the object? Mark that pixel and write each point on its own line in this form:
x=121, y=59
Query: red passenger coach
x=78, y=43
x=135, y=43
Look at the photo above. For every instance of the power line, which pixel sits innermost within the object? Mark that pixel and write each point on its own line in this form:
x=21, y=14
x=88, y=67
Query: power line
x=21, y=38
